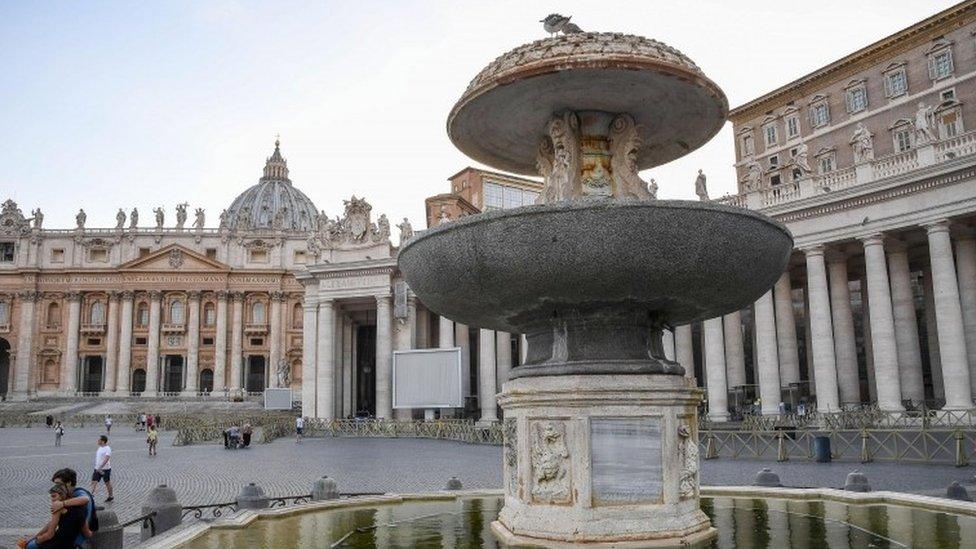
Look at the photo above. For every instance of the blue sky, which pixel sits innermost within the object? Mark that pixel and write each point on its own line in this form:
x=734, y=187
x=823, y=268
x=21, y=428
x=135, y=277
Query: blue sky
x=120, y=104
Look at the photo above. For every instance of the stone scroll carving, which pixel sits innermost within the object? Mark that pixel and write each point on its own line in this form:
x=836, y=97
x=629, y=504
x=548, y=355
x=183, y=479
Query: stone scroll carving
x=624, y=142
x=688, y=448
x=563, y=180
x=550, y=462
x=510, y=437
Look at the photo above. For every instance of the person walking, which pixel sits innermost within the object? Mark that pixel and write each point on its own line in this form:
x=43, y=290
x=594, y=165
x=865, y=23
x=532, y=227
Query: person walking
x=108, y=425
x=299, y=427
x=103, y=468
x=246, y=434
x=142, y=421
x=58, y=433
x=151, y=438
x=149, y=421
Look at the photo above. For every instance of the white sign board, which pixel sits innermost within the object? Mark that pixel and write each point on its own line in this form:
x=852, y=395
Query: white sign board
x=277, y=399
x=427, y=378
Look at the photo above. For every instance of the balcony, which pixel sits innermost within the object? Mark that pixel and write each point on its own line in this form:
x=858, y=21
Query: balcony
x=255, y=329
x=173, y=328
x=890, y=166
x=92, y=329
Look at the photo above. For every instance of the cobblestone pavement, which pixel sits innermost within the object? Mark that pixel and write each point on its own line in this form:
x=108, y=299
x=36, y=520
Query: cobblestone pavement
x=204, y=474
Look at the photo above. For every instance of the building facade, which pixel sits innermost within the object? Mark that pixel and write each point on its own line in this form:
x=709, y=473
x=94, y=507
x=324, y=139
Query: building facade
x=871, y=163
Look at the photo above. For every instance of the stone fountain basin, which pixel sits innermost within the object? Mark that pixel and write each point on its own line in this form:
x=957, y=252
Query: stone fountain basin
x=679, y=261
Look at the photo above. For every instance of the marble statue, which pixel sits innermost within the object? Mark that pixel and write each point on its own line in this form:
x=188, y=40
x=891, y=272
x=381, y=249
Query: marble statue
x=160, y=216
x=81, y=218
x=863, y=143
x=406, y=231
x=383, y=232
x=543, y=163
x=923, y=125
x=38, y=218
x=801, y=160
x=181, y=215
x=224, y=216
x=134, y=218
x=443, y=217
x=199, y=219
x=624, y=142
x=120, y=219
x=555, y=23
x=652, y=189
x=283, y=373
x=700, y=188
x=754, y=177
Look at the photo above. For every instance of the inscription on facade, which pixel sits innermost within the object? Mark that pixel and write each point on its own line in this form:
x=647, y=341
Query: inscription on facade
x=625, y=460
x=352, y=283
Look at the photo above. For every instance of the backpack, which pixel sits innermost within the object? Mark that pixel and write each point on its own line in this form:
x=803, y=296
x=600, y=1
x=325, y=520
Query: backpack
x=93, y=519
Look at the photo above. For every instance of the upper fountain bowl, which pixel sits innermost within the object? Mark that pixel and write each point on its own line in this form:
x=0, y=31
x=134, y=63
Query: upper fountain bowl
x=503, y=113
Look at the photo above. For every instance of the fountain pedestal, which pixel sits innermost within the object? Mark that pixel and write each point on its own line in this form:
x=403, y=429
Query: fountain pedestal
x=601, y=458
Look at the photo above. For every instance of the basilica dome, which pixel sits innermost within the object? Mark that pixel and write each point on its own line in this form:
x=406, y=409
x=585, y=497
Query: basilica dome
x=274, y=203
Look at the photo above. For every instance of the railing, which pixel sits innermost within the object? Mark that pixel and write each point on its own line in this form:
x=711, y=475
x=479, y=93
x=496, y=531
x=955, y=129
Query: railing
x=954, y=147
x=93, y=328
x=837, y=179
x=148, y=521
x=172, y=328
x=786, y=192
x=256, y=328
x=458, y=430
x=896, y=164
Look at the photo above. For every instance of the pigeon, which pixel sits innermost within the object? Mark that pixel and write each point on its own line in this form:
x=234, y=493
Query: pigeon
x=555, y=23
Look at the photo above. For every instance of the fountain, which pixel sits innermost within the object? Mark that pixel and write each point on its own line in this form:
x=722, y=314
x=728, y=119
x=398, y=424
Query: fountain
x=601, y=441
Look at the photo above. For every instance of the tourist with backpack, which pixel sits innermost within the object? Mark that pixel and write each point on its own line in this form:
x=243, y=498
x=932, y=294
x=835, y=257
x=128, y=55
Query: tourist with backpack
x=78, y=497
x=58, y=433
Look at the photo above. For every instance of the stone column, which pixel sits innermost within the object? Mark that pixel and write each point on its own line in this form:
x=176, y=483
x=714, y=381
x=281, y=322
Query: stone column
x=445, y=333
x=735, y=358
x=192, y=343
x=422, y=339
x=325, y=361
x=111, y=344
x=384, y=358
x=152, y=353
x=948, y=316
x=684, y=352
x=277, y=300
x=966, y=271
x=883, y=348
x=309, y=339
x=503, y=357
x=789, y=359
x=906, y=326
x=220, y=344
x=932, y=333
x=25, y=344
x=868, y=352
x=236, y=341
x=347, y=367
x=69, y=366
x=821, y=332
x=462, y=340
x=337, y=346
x=125, y=345
x=767, y=362
x=667, y=339
x=403, y=337
x=845, y=342
x=718, y=397
x=487, y=376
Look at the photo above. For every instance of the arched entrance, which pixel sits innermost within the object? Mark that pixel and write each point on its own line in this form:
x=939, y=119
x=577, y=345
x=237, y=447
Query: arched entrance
x=206, y=380
x=91, y=374
x=4, y=367
x=254, y=377
x=139, y=381
x=173, y=373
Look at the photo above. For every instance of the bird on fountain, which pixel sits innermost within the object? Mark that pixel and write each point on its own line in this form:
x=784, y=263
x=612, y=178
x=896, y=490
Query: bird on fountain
x=556, y=23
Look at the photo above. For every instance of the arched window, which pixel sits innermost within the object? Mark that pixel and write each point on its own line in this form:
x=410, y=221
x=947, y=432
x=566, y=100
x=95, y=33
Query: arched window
x=142, y=314
x=176, y=312
x=53, y=315
x=97, y=313
x=209, y=314
x=257, y=313
x=296, y=315
x=4, y=312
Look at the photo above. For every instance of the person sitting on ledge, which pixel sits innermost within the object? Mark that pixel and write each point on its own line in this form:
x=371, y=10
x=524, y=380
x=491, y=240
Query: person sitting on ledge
x=77, y=497
x=62, y=529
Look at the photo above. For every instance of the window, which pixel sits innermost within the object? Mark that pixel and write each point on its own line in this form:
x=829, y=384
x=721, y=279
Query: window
x=948, y=95
x=896, y=83
x=770, y=133
x=748, y=146
x=142, y=315
x=902, y=136
x=857, y=98
x=53, y=315
x=774, y=161
x=826, y=163
x=209, y=314
x=94, y=341
x=940, y=63
x=176, y=312
x=143, y=252
x=57, y=255
x=140, y=341
x=4, y=312
x=950, y=122
x=257, y=313
x=208, y=341
x=97, y=315
x=259, y=256
x=296, y=316
x=505, y=196
x=819, y=114
x=301, y=257
x=257, y=341
x=211, y=253
x=774, y=180
x=792, y=127
x=6, y=252
x=98, y=255
x=494, y=197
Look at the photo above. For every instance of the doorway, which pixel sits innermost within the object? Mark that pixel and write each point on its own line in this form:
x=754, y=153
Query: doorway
x=4, y=367
x=206, y=380
x=365, y=403
x=254, y=377
x=138, y=380
x=172, y=373
x=91, y=374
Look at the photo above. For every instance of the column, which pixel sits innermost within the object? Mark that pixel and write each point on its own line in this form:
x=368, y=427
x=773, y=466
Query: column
x=932, y=333
x=324, y=362
x=462, y=340
x=786, y=350
x=347, y=367
x=445, y=332
x=503, y=357
x=111, y=344
x=192, y=343
x=152, y=354
x=966, y=271
x=337, y=363
x=906, y=326
x=868, y=353
x=309, y=338
x=883, y=348
x=277, y=300
x=845, y=342
x=735, y=358
x=684, y=351
x=384, y=358
x=220, y=345
x=236, y=341
x=69, y=365
x=667, y=340
x=821, y=332
x=767, y=362
x=403, y=337
x=718, y=398
x=125, y=345
x=25, y=344
x=948, y=317
x=486, y=376
x=422, y=339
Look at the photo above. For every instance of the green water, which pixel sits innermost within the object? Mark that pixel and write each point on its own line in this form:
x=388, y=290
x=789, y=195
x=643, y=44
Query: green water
x=741, y=524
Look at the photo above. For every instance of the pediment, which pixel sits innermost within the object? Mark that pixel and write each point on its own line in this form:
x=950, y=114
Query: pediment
x=174, y=258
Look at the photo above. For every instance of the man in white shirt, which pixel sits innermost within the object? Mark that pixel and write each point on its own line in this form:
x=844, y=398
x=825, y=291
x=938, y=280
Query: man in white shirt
x=103, y=467
x=299, y=426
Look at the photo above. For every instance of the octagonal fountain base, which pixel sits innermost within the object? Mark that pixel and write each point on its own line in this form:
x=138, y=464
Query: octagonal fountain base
x=601, y=459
